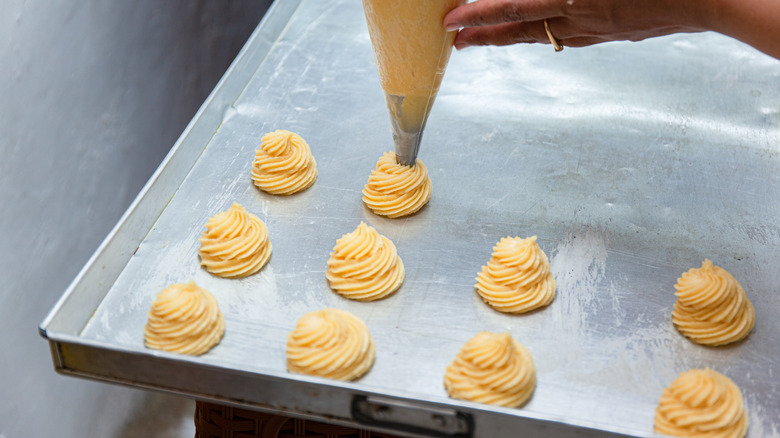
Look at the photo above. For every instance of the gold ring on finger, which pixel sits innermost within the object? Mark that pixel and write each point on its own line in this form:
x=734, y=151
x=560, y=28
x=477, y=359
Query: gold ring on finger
x=554, y=41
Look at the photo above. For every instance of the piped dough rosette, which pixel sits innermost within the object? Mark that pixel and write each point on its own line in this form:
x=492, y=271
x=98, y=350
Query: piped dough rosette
x=517, y=278
x=703, y=404
x=330, y=343
x=364, y=265
x=712, y=308
x=184, y=318
x=395, y=190
x=283, y=164
x=235, y=243
x=492, y=368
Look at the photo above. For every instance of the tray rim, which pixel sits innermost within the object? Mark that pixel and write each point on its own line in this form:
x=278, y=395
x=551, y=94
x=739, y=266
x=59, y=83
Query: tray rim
x=70, y=351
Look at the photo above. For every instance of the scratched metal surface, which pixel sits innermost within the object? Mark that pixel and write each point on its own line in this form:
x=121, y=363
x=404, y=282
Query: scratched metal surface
x=630, y=162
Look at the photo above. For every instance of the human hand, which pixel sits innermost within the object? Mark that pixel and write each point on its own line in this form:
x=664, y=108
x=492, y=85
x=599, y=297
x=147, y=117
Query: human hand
x=574, y=23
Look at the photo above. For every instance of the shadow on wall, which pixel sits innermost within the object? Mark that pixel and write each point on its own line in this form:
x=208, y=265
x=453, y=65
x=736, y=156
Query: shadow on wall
x=92, y=96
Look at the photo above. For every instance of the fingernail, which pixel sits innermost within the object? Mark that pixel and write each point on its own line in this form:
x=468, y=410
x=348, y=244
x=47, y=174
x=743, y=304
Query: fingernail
x=461, y=46
x=452, y=26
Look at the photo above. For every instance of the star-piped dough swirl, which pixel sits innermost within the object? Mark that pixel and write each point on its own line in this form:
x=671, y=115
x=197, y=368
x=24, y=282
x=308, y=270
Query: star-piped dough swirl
x=283, y=164
x=703, y=404
x=235, y=243
x=184, y=318
x=492, y=368
x=517, y=278
x=364, y=265
x=394, y=190
x=712, y=308
x=330, y=343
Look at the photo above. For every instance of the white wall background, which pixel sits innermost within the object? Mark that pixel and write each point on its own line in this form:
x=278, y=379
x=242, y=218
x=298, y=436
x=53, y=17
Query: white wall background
x=93, y=94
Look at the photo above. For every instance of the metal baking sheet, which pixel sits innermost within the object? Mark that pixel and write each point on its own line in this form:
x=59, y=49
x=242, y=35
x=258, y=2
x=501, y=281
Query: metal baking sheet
x=630, y=162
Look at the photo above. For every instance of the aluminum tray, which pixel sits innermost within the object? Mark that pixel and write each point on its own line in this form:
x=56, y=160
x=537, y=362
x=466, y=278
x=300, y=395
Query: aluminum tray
x=631, y=162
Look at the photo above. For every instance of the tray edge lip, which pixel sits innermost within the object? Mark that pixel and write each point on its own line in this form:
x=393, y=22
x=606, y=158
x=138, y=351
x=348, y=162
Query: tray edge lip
x=344, y=389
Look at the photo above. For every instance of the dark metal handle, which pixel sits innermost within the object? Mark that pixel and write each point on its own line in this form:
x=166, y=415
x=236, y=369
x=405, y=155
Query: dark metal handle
x=413, y=418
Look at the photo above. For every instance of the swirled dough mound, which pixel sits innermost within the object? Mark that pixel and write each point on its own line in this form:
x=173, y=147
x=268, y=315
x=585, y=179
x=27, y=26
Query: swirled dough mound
x=235, y=244
x=394, y=190
x=283, y=164
x=712, y=308
x=186, y=319
x=492, y=368
x=517, y=278
x=364, y=265
x=330, y=343
x=702, y=403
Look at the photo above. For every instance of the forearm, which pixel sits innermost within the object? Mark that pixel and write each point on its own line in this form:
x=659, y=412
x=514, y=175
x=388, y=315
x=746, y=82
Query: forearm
x=579, y=23
x=754, y=22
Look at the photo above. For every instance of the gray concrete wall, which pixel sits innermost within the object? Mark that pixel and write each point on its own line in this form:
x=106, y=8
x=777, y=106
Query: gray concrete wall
x=92, y=96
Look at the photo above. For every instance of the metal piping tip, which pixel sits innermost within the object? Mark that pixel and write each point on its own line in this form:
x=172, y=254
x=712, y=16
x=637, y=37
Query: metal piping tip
x=407, y=145
x=407, y=141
